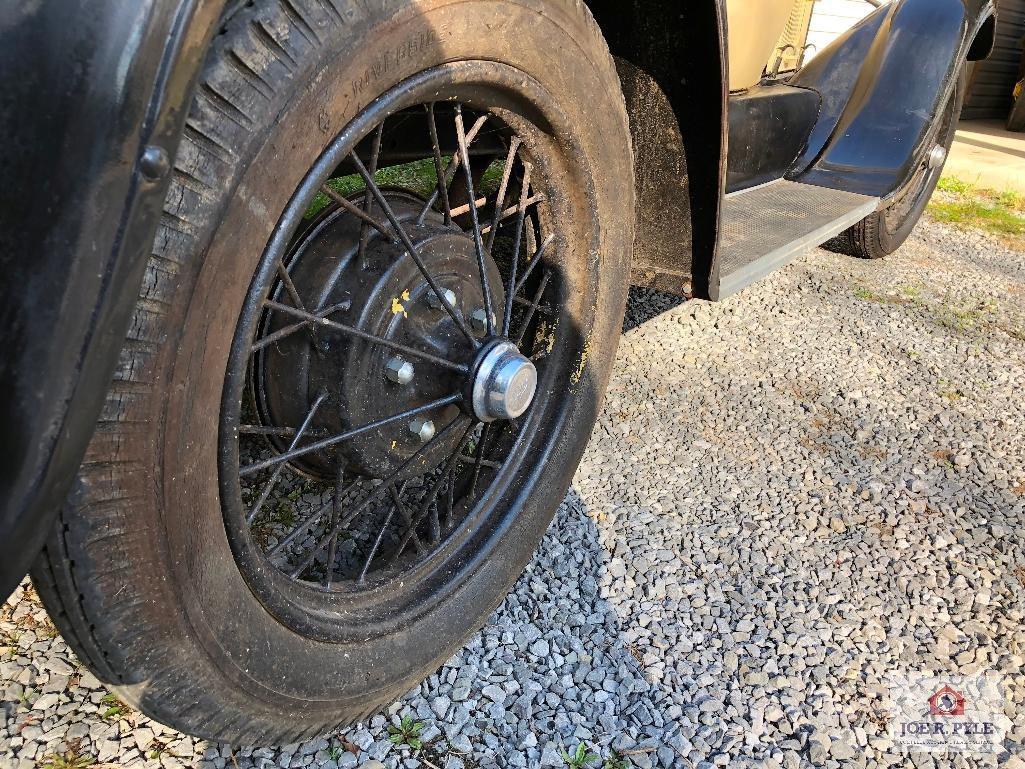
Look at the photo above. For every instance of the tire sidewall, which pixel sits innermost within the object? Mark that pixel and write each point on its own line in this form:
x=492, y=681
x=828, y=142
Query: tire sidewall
x=212, y=603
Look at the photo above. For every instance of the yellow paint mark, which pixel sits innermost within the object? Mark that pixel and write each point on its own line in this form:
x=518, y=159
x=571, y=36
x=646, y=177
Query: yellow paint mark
x=394, y=444
x=397, y=306
x=575, y=377
x=544, y=342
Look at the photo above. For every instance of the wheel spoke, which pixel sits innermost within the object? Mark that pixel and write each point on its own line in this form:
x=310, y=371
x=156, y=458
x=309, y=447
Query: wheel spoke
x=368, y=201
x=430, y=498
x=472, y=460
x=478, y=459
x=442, y=187
x=514, y=210
x=286, y=280
x=305, y=524
x=404, y=513
x=450, y=497
x=450, y=171
x=534, y=262
x=373, y=495
x=533, y=306
x=503, y=187
x=269, y=485
x=478, y=204
x=543, y=309
x=348, y=435
x=412, y=250
x=377, y=541
x=280, y=432
x=336, y=513
x=383, y=341
x=478, y=244
x=517, y=241
x=355, y=210
x=281, y=333
x=436, y=517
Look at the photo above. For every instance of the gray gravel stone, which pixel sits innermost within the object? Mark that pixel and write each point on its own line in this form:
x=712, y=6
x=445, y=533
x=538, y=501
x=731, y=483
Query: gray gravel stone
x=788, y=496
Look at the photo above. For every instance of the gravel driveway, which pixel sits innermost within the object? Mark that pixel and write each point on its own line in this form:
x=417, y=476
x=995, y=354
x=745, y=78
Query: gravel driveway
x=789, y=496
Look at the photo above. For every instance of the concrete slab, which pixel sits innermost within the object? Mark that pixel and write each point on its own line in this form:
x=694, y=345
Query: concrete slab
x=988, y=155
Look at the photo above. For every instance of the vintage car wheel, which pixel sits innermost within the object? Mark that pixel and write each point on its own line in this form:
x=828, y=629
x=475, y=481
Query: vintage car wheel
x=882, y=233
x=352, y=397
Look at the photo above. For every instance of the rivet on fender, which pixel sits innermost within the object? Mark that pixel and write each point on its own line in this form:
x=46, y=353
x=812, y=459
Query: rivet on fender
x=154, y=163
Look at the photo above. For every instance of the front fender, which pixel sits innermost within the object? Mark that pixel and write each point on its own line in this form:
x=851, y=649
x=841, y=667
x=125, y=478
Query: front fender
x=93, y=106
x=882, y=84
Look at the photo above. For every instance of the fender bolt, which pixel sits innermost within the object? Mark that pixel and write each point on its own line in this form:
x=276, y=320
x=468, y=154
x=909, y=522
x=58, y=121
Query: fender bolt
x=434, y=301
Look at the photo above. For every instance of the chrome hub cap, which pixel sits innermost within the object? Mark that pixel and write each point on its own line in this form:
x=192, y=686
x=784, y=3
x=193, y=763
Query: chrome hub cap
x=504, y=384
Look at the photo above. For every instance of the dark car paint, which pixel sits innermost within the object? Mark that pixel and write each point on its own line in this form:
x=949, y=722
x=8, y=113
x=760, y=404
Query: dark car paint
x=664, y=44
x=769, y=127
x=93, y=106
x=882, y=84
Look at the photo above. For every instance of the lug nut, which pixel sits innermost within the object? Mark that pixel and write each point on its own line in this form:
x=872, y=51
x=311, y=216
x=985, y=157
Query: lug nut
x=434, y=301
x=399, y=371
x=479, y=320
x=423, y=429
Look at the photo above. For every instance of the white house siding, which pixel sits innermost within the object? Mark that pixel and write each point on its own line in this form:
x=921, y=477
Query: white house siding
x=991, y=82
x=832, y=17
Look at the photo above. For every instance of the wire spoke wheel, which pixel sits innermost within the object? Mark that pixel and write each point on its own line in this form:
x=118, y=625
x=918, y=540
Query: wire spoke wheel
x=390, y=350
x=370, y=348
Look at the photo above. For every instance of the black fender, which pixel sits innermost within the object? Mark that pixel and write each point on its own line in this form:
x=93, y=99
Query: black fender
x=882, y=85
x=93, y=106
x=672, y=62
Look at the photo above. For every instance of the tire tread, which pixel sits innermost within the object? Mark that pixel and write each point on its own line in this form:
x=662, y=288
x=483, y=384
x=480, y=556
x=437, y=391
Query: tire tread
x=103, y=607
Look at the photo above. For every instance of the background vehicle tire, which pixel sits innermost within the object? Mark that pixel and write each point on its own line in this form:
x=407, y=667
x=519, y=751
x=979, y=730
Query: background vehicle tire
x=144, y=575
x=883, y=232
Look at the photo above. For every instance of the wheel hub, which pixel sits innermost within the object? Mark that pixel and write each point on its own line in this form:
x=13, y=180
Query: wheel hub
x=504, y=384
x=387, y=296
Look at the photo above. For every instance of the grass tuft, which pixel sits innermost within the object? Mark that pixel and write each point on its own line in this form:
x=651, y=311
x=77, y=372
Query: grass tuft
x=72, y=758
x=580, y=757
x=419, y=177
x=962, y=204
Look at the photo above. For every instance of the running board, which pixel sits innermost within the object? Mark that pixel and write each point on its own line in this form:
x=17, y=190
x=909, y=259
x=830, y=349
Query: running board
x=766, y=227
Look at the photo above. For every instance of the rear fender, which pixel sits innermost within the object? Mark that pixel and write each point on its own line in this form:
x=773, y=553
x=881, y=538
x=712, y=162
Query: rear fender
x=882, y=84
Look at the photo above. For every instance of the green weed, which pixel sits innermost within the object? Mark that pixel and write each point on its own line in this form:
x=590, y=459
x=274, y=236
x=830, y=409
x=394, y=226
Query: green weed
x=580, y=757
x=962, y=204
x=70, y=759
x=406, y=733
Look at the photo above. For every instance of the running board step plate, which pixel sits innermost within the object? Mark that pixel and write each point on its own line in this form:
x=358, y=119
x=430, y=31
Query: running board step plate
x=766, y=227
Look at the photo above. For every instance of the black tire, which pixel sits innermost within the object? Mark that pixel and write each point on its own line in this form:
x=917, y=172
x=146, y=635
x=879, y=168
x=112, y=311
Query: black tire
x=139, y=574
x=883, y=232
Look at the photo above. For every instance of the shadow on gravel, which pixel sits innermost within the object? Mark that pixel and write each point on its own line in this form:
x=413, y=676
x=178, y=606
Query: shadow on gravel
x=553, y=668
x=643, y=304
